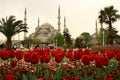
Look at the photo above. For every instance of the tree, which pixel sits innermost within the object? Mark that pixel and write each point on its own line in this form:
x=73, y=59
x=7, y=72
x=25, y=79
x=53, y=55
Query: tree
x=116, y=37
x=86, y=37
x=10, y=27
x=59, y=40
x=108, y=16
x=27, y=42
x=37, y=41
x=78, y=42
x=67, y=39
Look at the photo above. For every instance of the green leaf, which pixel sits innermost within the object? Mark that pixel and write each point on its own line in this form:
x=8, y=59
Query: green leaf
x=24, y=77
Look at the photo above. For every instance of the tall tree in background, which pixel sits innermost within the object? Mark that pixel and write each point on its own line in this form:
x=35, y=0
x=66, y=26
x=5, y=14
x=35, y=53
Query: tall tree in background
x=67, y=39
x=10, y=27
x=108, y=16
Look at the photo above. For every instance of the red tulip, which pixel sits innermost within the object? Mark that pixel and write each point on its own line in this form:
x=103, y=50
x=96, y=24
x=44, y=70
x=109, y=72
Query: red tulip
x=86, y=59
x=12, y=53
x=70, y=51
x=65, y=78
x=13, y=63
x=19, y=55
x=1, y=79
x=69, y=55
x=99, y=61
x=9, y=76
x=5, y=55
x=50, y=79
x=95, y=52
x=27, y=57
x=58, y=59
x=110, y=77
x=87, y=51
x=59, y=54
x=72, y=58
x=76, y=78
x=34, y=58
x=77, y=55
x=106, y=61
x=109, y=54
x=117, y=56
x=45, y=58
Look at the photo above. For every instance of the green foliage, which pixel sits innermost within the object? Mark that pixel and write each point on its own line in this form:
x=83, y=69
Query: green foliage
x=28, y=76
x=67, y=39
x=100, y=36
x=58, y=39
x=78, y=42
x=83, y=40
x=27, y=42
x=58, y=73
x=36, y=41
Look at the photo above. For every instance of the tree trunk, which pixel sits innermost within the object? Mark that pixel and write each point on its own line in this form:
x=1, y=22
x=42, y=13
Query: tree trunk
x=110, y=40
x=8, y=44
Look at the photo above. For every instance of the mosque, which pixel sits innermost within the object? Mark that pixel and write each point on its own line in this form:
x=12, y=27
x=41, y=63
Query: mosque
x=46, y=30
x=43, y=32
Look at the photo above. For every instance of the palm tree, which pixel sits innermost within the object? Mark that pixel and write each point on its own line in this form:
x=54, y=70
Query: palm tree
x=108, y=16
x=10, y=27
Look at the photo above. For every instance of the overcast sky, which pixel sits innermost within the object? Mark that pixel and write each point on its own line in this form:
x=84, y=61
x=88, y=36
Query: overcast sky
x=80, y=14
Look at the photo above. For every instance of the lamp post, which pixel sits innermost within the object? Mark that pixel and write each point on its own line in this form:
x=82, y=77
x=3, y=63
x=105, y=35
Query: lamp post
x=103, y=38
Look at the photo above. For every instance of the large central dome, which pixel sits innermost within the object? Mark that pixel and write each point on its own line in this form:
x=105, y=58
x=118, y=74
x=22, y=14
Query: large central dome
x=46, y=25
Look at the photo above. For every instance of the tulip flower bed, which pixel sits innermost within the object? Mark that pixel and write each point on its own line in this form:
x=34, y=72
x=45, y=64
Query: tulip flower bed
x=56, y=64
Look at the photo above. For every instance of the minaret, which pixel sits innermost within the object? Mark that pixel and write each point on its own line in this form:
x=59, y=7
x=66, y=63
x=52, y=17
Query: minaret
x=59, y=20
x=64, y=24
x=38, y=22
x=25, y=22
x=96, y=29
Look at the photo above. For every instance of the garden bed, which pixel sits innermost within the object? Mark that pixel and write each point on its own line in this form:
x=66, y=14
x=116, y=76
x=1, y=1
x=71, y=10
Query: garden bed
x=59, y=65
